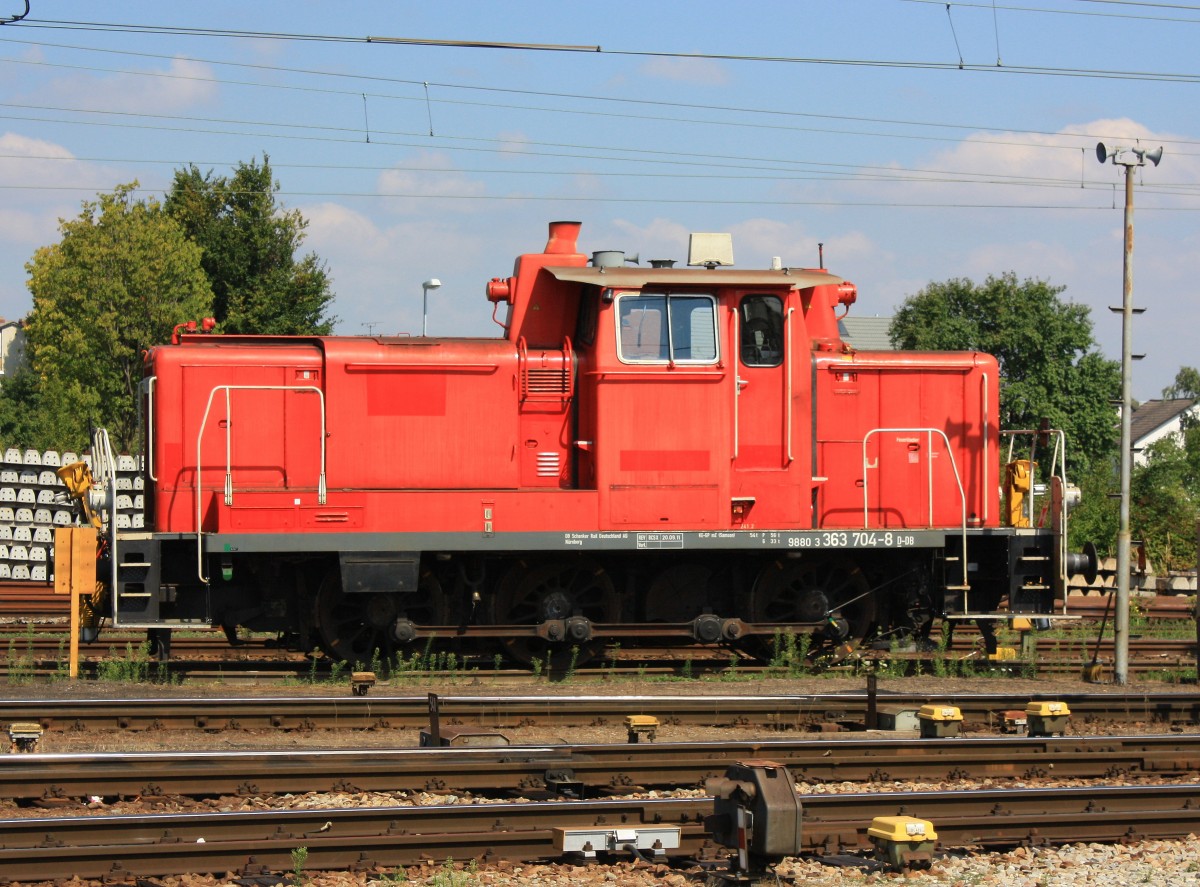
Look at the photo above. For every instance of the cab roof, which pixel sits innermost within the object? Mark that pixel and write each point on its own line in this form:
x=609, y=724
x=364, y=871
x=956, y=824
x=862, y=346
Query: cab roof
x=636, y=278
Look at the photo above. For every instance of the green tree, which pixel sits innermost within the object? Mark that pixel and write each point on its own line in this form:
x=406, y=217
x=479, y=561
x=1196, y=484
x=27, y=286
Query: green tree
x=1163, y=496
x=1096, y=518
x=122, y=276
x=23, y=420
x=1186, y=384
x=1049, y=366
x=250, y=244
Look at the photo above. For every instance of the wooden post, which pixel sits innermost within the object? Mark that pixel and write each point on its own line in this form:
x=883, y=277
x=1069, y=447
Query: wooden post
x=75, y=574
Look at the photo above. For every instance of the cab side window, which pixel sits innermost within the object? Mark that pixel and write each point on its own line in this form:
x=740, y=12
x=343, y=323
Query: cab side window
x=667, y=328
x=760, y=322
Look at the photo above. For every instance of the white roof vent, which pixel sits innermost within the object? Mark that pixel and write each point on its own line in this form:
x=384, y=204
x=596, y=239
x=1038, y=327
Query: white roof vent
x=710, y=250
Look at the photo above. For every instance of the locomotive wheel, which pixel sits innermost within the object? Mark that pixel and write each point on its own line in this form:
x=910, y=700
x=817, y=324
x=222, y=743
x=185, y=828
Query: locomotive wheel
x=356, y=628
x=533, y=593
x=812, y=590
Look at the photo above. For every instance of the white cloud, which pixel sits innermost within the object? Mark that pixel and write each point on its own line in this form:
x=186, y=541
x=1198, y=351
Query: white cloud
x=182, y=85
x=512, y=145
x=45, y=174
x=34, y=163
x=1038, y=259
x=428, y=174
x=757, y=241
x=361, y=253
x=340, y=228
x=1056, y=169
x=659, y=239
x=702, y=72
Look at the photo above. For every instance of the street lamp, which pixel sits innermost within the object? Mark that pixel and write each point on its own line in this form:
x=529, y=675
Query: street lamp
x=1130, y=158
x=431, y=284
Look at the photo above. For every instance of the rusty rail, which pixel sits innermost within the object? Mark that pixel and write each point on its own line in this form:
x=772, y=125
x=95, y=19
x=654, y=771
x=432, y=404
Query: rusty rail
x=594, y=770
x=372, y=838
x=782, y=712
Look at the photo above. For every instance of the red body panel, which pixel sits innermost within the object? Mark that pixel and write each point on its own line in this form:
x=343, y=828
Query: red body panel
x=537, y=432
x=907, y=440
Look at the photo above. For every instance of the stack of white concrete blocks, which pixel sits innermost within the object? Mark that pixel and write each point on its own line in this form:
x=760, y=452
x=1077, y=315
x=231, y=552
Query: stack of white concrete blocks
x=34, y=500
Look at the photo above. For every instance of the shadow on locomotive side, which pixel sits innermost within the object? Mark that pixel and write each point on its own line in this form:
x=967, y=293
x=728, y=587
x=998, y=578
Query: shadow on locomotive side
x=654, y=454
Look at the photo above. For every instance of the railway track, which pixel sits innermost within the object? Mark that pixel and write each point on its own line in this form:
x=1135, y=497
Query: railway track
x=372, y=838
x=777, y=712
x=200, y=658
x=581, y=770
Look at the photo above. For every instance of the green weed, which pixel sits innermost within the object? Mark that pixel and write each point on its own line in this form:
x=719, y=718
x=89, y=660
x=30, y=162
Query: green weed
x=730, y=672
x=21, y=662
x=62, y=670
x=570, y=674
x=449, y=876
x=299, y=858
x=133, y=667
x=399, y=876
x=614, y=653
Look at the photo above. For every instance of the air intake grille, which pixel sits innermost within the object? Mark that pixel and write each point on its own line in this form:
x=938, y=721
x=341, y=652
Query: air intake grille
x=546, y=375
x=552, y=381
x=548, y=465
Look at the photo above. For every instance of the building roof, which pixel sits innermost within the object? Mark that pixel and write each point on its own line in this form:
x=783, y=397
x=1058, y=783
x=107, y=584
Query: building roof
x=1153, y=414
x=866, y=333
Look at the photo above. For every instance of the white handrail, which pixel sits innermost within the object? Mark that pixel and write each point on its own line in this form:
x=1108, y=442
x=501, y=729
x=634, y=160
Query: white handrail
x=147, y=422
x=962, y=496
x=106, y=473
x=1058, y=460
x=737, y=390
x=986, y=461
x=321, y=490
x=787, y=382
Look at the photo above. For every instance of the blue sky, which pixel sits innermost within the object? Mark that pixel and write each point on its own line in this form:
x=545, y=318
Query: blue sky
x=786, y=123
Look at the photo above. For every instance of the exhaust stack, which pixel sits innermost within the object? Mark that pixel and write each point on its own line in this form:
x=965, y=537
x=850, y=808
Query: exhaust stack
x=563, y=238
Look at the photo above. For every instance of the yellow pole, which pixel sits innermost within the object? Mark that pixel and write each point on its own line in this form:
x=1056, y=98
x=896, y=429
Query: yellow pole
x=75, y=574
x=74, y=660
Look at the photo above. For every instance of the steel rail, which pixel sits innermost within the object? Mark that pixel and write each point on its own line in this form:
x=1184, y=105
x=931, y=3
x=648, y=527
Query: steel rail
x=591, y=770
x=370, y=838
x=781, y=712
x=211, y=657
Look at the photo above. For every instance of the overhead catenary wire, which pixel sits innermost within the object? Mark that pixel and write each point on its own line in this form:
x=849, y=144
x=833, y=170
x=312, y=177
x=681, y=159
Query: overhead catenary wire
x=648, y=199
x=954, y=34
x=613, y=154
x=293, y=130
x=819, y=171
x=582, y=97
x=1042, y=10
x=896, y=64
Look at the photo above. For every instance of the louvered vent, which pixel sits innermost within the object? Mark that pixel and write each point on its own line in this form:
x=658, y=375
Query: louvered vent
x=546, y=376
x=547, y=381
x=548, y=465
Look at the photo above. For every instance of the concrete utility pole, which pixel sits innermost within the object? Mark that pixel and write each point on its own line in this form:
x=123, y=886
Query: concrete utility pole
x=1130, y=158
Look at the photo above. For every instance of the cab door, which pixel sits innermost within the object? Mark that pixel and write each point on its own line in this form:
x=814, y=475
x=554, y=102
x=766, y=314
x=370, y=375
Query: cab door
x=663, y=414
x=763, y=411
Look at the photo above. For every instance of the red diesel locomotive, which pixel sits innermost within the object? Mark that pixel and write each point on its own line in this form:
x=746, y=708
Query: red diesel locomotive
x=647, y=453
